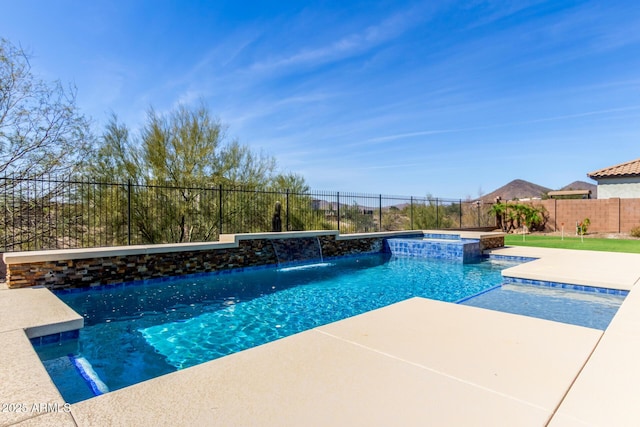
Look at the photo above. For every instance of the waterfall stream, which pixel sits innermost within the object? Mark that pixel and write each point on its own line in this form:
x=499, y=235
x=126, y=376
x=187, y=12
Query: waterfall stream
x=304, y=251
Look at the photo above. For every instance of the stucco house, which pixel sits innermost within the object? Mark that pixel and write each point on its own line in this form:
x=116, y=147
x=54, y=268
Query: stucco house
x=621, y=180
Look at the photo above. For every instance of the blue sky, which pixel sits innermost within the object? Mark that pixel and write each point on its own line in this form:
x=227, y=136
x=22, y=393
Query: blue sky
x=452, y=99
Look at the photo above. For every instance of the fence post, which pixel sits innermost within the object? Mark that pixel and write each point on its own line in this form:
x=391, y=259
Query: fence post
x=619, y=216
x=338, y=197
x=380, y=215
x=219, y=210
x=13, y=214
x=287, y=227
x=411, y=212
x=5, y=224
x=28, y=208
x=437, y=215
x=129, y=211
x=460, y=213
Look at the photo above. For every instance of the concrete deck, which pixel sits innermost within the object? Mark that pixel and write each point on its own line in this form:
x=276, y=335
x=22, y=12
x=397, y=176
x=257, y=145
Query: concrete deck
x=599, y=269
x=26, y=390
x=418, y=362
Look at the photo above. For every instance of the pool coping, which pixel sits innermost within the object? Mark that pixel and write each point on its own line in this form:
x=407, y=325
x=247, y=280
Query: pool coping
x=602, y=393
x=226, y=241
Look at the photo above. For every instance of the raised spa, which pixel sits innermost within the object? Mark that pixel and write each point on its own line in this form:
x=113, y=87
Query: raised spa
x=437, y=246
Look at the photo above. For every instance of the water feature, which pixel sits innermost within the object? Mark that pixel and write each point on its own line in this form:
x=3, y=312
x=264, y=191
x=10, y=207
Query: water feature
x=298, y=251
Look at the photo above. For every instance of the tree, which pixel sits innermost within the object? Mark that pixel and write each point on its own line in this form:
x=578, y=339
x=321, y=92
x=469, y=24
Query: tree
x=514, y=215
x=358, y=219
x=41, y=129
x=185, y=147
x=177, y=167
x=499, y=210
x=393, y=219
x=292, y=182
x=428, y=213
x=41, y=133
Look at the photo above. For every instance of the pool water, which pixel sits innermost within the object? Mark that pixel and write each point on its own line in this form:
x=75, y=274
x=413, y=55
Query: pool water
x=589, y=309
x=137, y=332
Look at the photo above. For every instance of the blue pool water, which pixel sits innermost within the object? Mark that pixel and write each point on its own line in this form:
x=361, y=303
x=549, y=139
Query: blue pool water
x=137, y=332
x=590, y=309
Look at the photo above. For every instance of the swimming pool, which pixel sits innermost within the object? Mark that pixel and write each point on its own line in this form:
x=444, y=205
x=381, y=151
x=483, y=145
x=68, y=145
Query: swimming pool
x=135, y=332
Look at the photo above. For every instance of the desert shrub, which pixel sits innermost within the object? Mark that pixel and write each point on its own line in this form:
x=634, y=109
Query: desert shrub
x=512, y=216
x=583, y=226
x=635, y=231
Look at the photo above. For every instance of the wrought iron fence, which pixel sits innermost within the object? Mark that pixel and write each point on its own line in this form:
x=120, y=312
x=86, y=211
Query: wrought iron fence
x=51, y=213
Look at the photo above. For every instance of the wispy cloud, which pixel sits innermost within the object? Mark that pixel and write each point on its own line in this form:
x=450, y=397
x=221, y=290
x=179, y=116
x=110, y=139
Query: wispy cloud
x=390, y=166
x=488, y=12
x=410, y=135
x=407, y=135
x=580, y=115
x=345, y=46
x=213, y=72
x=576, y=33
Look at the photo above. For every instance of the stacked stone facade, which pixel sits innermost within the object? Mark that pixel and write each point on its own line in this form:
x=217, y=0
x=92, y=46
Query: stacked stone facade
x=95, y=271
x=80, y=273
x=331, y=247
x=491, y=242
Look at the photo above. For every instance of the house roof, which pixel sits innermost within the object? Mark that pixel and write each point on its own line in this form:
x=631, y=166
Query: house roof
x=631, y=168
x=553, y=194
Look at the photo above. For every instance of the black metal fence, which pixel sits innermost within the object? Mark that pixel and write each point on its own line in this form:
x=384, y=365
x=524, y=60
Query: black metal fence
x=54, y=213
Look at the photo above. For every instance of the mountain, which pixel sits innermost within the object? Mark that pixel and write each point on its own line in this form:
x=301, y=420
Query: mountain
x=516, y=189
x=581, y=185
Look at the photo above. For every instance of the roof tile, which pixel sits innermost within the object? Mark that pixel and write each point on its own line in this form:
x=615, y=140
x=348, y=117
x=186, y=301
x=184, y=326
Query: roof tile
x=631, y=168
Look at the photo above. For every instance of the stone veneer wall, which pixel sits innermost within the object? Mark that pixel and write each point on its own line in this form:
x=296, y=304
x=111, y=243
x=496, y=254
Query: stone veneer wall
x=303, y=249
x=333, y=248
x=82, y=273
x=491, y=242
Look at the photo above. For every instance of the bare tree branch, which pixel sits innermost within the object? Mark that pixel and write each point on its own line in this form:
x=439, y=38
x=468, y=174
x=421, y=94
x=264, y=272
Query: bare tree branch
x=41, y=130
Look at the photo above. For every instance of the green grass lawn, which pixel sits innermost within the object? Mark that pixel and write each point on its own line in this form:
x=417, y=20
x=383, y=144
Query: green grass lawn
x=589, y=244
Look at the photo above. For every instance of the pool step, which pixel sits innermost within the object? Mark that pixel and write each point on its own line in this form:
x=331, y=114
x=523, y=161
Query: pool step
x=67, y=378
x=90, y=376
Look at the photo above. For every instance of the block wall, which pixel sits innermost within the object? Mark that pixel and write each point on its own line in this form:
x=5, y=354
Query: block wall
x=606, y=215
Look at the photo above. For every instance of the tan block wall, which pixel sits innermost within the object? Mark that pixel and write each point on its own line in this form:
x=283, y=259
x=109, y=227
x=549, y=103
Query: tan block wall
x=629, y=213
x=606, y=215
